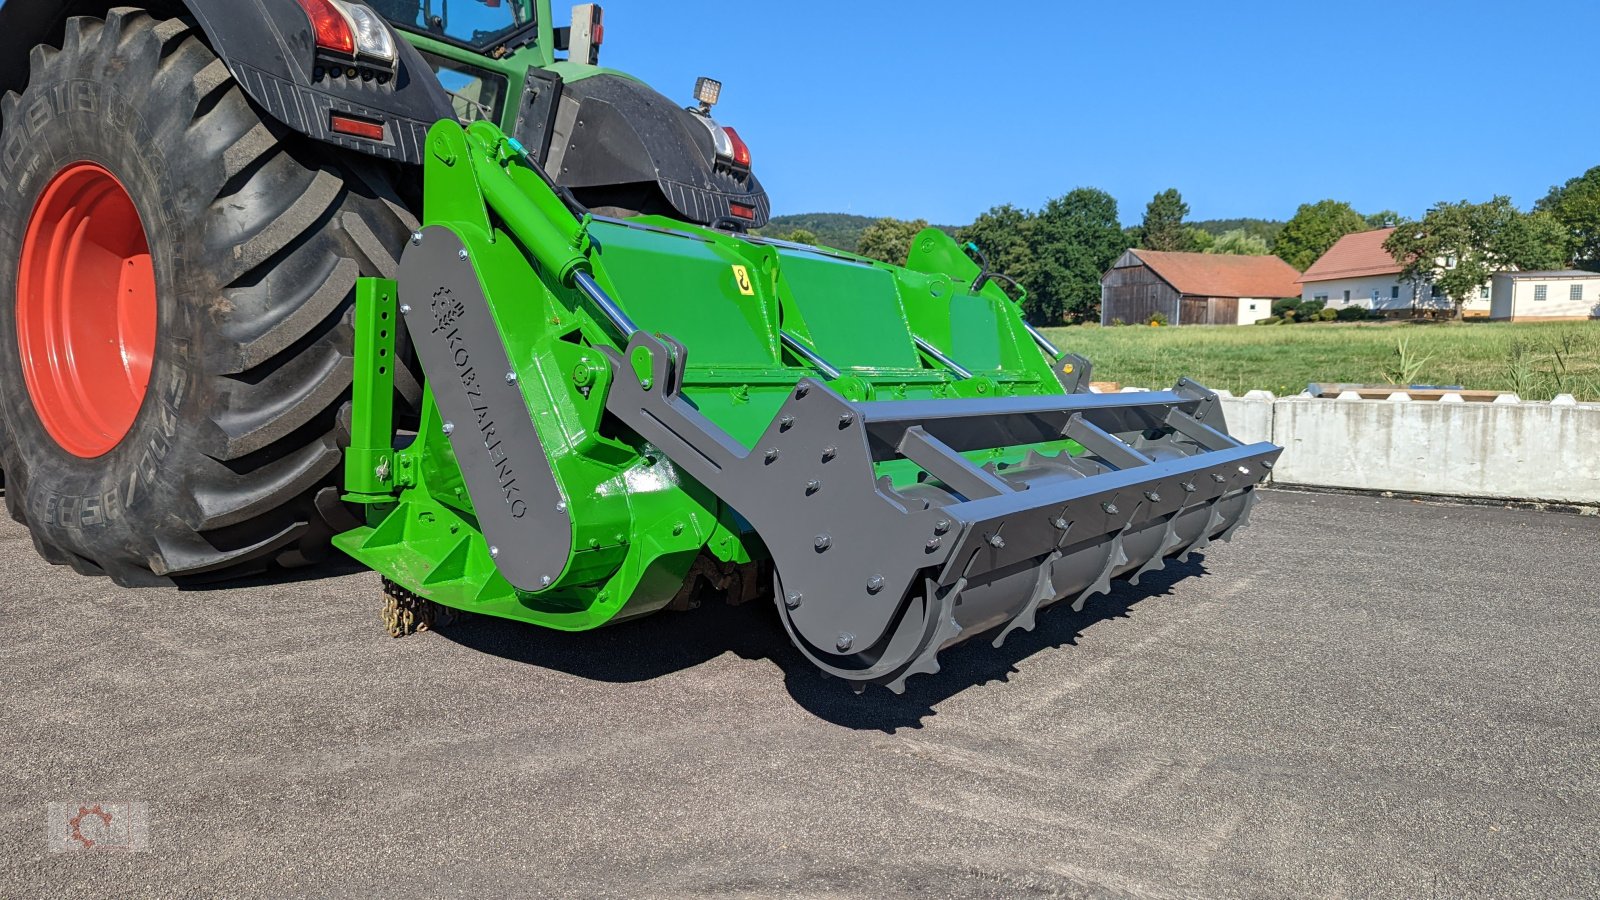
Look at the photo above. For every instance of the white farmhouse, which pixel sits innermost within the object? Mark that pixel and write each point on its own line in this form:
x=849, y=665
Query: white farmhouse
x=1357, y=271
x=1566, y=295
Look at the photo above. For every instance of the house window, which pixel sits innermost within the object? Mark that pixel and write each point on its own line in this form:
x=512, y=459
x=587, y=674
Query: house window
x=1394, y=292
x=1576, y=294
x=1541, y=292
x=1437, y=292
x=1374, y=296
x=1320, y=298
x=1346, y=298
x=1483, y=293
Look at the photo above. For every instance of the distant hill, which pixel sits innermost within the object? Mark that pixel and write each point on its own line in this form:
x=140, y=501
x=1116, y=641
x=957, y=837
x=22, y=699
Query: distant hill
x=1264, y=228
x=840, y=230
x=843, y=230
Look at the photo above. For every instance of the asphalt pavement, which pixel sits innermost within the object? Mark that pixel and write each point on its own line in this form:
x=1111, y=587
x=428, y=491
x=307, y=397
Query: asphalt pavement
x=1359, y=697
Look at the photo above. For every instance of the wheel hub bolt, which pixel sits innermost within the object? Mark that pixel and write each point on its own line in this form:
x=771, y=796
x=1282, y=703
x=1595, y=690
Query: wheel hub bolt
x=511, y=378
x=786, y=423
x=812, y=487
x=771, y=457
x=405, y=309
x=941, y=526
x=793, y=600
x=934, y=543
x=823, y=542
x=463, y=254
x=875, y=584
x=845, y=642
x=449, y=428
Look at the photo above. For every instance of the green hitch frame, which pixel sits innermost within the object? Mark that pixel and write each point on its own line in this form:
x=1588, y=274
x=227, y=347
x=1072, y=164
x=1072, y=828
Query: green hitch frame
x=370, y=465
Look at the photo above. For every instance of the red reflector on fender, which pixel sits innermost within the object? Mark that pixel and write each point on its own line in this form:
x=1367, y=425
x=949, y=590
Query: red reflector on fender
x=742, y=212
x=361, y=128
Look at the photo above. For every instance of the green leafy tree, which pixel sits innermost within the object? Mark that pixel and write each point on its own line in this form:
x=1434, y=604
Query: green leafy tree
x=1201, y=241
x=1003, y=235
x=1074, y=240
x=889, y=240
x=799, y=236
x=1386, y=219
x=1163, y=228
x=1459, y=246
x=1238, y=243
x=1314, y=228
x=1576, y=206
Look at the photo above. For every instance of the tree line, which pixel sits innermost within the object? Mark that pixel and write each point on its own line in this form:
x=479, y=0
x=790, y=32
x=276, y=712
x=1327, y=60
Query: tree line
x=1059, y=252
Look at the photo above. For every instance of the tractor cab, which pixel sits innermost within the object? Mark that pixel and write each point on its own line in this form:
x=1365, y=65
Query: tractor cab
x=621, y=147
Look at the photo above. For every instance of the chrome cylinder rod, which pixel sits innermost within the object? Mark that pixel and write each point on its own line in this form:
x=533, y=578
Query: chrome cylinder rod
x=798, y=348
x=587, y=286
x=1043, y=342
x=938, y=356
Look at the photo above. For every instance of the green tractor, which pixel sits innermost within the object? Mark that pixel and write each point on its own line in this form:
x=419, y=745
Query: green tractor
x=399, y=279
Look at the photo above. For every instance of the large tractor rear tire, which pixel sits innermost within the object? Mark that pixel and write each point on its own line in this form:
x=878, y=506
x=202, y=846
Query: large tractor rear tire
x=176, y=280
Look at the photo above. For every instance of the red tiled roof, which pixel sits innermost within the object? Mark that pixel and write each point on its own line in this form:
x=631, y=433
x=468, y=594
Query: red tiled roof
x=1356, y=255
x=1217, y=275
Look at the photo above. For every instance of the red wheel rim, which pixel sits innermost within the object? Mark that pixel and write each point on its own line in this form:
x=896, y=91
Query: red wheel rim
x=86, y=310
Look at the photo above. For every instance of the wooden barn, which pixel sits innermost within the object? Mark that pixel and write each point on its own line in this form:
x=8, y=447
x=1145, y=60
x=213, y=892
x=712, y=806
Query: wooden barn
x=1194, y=288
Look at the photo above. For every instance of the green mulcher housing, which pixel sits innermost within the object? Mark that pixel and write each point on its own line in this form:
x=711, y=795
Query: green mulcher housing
x=615, y=407
x=396, y=278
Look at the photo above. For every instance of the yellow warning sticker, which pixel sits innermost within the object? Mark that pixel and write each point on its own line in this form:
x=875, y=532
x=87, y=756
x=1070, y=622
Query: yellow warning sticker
x=741, y=277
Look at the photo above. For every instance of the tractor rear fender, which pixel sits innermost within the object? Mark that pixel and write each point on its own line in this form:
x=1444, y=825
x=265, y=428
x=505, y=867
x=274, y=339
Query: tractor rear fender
x=267, y=45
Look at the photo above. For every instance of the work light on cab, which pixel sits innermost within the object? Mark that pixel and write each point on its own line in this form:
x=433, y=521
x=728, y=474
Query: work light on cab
x=731, y=149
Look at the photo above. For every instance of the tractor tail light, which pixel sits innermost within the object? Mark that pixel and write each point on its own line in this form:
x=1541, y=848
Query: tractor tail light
x=741, y=150
x=350, y=30
x=330, y=26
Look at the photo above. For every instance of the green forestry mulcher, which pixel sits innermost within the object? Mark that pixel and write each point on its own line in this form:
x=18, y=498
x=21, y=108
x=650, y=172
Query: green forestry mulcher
x=397, y=278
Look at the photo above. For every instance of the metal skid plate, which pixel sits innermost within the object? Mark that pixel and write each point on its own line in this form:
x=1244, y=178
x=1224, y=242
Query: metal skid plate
x=518, y=504
x=874, y=580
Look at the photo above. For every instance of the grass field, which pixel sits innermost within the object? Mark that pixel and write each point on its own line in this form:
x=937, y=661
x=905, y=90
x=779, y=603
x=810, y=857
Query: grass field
x=1537, y=360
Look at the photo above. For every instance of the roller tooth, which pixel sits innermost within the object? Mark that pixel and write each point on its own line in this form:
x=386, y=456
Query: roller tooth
x=1250, y=501
x=1169, y=542
x=1102, y=585
x=1215, y=519
x=928, y=662
x=1044, y=588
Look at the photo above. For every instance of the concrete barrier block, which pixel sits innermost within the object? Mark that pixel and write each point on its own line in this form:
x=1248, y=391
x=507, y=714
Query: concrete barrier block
x=1249, y=417
x=1505, y=449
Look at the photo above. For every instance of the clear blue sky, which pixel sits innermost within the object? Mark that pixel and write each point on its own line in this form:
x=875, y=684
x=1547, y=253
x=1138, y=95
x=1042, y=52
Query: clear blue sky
x=939, y=110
